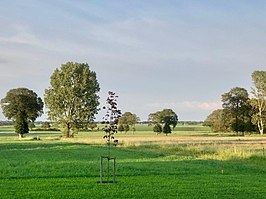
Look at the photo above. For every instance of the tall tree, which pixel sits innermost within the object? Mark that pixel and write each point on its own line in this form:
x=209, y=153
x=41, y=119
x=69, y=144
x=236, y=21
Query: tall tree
x=259, y=99
x=72, y=98
x=237, y=109
x=23, y=106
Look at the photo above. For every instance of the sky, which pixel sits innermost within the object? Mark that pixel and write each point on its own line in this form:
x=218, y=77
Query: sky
x=154, y=54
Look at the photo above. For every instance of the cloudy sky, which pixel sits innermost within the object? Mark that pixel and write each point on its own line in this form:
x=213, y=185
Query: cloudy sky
x=154, y=54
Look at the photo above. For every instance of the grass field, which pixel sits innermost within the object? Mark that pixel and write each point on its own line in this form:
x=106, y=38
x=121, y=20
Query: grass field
x=186, y=164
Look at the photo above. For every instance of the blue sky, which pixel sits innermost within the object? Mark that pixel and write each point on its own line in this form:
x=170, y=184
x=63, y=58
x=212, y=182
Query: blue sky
x=154, y=54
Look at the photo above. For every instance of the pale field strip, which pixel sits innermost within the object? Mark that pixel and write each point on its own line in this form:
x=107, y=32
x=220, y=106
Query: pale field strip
x=175, y=140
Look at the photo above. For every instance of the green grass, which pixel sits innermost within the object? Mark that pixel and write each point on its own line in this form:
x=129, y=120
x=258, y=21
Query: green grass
x=53, y=169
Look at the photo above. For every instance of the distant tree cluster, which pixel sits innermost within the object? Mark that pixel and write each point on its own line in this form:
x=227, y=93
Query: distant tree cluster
x=242, y=111
x=126, y=121
x=162, y=120
x=72, y=102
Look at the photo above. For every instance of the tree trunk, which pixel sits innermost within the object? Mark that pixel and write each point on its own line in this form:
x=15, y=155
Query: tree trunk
x=68, y=127
x=260, y=126
x=260, y=120
x=20, y=136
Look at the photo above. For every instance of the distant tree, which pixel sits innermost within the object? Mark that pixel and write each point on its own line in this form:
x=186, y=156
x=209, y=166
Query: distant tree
x=157, y=128
x=31, y=125
x=120, y=127
x=216, y=121
x=166, y=117
x=126, y=128
x=259, y=99
x=130, y=119
x=46, y=125
x=133, y=129
x=92, y=125
x=23, y=106
x=237, y=109
x=72, y=98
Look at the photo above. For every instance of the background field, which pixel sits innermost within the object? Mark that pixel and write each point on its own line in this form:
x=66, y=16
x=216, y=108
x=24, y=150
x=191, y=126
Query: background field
x=186, y=164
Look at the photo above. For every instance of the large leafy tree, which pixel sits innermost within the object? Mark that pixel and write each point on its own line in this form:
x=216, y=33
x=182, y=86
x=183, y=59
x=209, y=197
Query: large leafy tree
x=23, y=106
x=237, y=109
x=166, y=117
x=259, y=99
x=72, y=98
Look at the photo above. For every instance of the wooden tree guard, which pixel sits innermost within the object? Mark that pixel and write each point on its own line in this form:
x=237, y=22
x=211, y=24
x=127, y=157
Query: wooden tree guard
x=108, y=169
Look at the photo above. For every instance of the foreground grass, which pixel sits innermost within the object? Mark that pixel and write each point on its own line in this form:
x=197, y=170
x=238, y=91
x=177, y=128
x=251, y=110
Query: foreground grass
x=56, y=169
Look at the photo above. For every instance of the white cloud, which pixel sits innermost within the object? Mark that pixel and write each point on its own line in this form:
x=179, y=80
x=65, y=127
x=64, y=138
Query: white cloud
x=196, y=105
x=21, y=34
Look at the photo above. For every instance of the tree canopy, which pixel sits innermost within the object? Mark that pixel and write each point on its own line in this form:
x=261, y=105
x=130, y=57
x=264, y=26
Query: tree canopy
x=23, y=106
x=72, y=98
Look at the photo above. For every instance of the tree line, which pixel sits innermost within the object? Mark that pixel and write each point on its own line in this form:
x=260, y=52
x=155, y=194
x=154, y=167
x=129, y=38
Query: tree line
x=242, y=111
x=72, y=101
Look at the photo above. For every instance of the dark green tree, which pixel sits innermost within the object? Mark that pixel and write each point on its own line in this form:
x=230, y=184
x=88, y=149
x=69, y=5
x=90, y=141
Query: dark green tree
x=237, y=109
x=166, y=129
x=217, y=122
x=166, y=117
x=72, y=99
x=23, y=106
x=21, y=125
x=120, y=127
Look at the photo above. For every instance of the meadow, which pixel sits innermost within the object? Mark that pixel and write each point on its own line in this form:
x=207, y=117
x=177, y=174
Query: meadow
x=192, y=162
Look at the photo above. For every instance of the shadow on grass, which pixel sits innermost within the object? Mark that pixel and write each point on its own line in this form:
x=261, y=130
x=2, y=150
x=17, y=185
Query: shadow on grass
x=31, y=144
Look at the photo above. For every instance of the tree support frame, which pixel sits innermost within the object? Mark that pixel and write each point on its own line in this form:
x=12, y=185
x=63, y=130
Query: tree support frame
x=109, y=160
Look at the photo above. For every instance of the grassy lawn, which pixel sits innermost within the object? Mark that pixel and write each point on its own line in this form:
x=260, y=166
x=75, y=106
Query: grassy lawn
x=69, y=168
